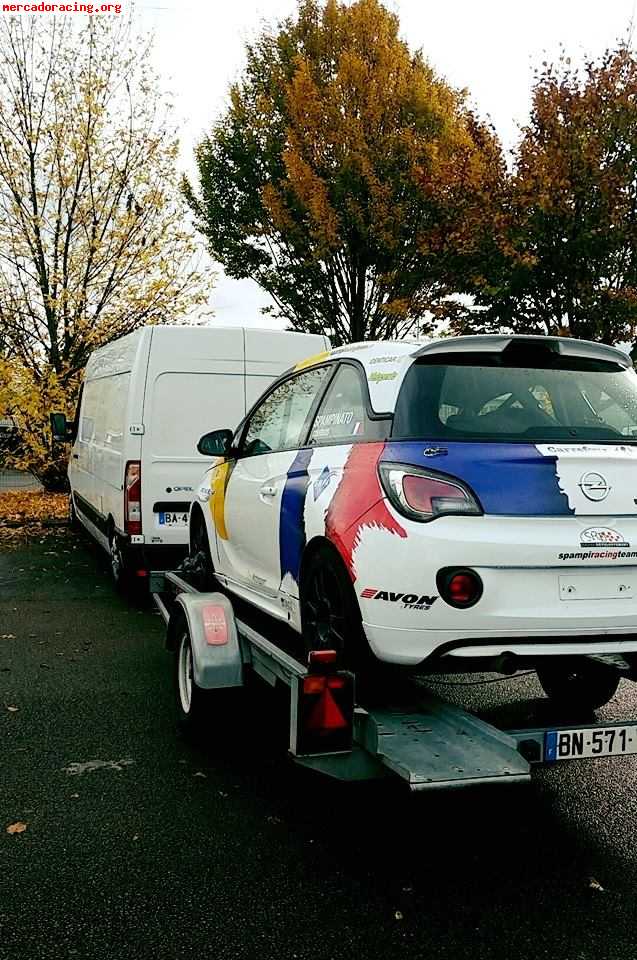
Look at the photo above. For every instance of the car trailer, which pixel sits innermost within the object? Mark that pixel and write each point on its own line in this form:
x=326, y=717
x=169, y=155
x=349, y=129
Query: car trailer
x=423, y=740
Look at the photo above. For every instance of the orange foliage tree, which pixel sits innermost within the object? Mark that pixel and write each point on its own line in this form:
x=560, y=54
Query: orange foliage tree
x=346, y=178
x=569, y=261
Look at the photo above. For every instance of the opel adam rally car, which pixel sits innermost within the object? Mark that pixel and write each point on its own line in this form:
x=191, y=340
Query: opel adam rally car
x=467, y=502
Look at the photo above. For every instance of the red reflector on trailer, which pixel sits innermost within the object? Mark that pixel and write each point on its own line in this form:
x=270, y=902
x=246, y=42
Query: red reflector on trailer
x=326, y=715
x=215, y=625
x=141, y=573
x=321, y=657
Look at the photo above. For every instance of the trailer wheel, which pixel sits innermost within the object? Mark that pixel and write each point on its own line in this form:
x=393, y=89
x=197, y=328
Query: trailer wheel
x=578, y=683
x=193, y=703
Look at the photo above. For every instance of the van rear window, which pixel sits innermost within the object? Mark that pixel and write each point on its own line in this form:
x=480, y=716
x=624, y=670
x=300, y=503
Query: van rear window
x=482, y=397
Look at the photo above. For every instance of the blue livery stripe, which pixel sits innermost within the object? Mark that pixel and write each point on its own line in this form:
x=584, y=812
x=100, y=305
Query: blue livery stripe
x=292, y=536
x=509, y=479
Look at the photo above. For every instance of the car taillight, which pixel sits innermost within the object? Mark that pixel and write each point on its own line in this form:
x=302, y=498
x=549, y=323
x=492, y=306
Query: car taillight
x=133, y=498
x=425, y=495
x=459, y=586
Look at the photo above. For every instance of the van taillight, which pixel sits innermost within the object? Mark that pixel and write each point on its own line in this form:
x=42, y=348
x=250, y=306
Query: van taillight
x=133, y=498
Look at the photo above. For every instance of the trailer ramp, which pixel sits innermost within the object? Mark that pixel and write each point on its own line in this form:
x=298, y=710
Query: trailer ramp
x=435, y=745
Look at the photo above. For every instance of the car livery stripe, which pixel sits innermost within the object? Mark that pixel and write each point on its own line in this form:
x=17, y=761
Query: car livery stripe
x=292, y=536
x=512, y=479
x=358, y=502
x=219, y=484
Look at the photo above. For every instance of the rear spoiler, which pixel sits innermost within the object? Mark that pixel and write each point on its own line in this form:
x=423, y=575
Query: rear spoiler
x=496, y=343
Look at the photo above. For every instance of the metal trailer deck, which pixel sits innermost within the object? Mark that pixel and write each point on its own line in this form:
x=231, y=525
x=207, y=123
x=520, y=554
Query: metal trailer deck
x=422, y=739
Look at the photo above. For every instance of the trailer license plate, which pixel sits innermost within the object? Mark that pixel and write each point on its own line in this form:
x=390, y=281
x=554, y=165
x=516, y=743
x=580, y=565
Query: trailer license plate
x=589, y=742
x=171, y=519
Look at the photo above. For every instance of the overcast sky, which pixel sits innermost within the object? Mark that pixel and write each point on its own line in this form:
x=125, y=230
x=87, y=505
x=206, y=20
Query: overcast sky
x=488, y=46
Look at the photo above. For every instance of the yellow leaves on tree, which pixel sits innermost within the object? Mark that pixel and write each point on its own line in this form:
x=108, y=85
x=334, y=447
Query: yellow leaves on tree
x=93, y=233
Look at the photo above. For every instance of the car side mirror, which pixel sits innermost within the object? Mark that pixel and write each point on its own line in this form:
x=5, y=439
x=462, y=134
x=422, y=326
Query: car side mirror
x=217, y=443
x=61, y=429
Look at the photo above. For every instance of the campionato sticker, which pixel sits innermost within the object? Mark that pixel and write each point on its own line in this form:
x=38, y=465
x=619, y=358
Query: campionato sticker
x=602, y=537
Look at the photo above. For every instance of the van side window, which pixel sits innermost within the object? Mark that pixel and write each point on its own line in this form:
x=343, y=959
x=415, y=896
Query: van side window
x=90, y=404
x=342, y=415
x=278, y=424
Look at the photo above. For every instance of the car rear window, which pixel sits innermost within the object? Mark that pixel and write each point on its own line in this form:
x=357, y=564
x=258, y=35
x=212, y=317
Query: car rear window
x=492, y=397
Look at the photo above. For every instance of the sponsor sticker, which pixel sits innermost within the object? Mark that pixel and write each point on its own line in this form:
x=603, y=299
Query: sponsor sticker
x=409, y=601
x=379, y=375
x=599, y=555
x=602, y=537
x=322, y=482
x=383, y=360
x=336, y=418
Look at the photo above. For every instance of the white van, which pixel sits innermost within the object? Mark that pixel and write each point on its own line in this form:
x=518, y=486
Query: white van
x=146, y=400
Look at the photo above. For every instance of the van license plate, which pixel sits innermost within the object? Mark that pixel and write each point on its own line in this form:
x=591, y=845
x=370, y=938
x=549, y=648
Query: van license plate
x=589, y=742
x=171, y=519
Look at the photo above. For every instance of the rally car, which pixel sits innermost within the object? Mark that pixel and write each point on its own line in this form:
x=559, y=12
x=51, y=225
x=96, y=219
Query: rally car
x=468, y=501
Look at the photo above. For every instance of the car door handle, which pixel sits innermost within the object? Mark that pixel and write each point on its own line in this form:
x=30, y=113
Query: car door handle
x=268, y=490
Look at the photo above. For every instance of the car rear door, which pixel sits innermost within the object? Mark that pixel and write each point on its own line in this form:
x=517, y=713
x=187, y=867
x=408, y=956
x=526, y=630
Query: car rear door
x=258, y=487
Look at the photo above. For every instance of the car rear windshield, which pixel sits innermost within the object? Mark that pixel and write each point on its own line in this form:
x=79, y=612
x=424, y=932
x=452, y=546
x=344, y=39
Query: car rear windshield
x=477, y=396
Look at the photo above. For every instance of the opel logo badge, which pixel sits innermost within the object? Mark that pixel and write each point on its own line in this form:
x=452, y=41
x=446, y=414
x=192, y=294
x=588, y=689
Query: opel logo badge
x=594, y=486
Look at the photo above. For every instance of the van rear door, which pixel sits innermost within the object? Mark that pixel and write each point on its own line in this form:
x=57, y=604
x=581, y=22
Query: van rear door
x=195, y=384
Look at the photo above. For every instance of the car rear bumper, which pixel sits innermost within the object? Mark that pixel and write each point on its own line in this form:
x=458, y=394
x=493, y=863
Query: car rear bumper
x=413, y=647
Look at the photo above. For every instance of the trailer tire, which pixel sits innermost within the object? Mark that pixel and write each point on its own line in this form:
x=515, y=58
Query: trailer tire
x=192, y=703
x=579, y=684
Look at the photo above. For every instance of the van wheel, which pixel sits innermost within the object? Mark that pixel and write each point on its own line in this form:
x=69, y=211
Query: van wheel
x=74, y=522
x=119, y=569
x=579, y=684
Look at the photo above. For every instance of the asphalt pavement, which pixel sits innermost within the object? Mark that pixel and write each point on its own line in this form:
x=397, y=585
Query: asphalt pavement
x=141, y=845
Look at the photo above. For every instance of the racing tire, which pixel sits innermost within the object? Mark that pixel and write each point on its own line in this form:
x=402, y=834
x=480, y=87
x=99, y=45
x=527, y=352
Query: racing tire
x=199, y=564
x=330, y=615
x=579, y=684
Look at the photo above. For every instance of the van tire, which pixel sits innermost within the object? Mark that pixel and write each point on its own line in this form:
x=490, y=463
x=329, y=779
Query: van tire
x=119, y=569
x=74, y=521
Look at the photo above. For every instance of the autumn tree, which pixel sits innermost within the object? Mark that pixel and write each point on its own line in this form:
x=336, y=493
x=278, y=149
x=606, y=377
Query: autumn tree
x=569, y=264
x=93, y=229
x=348, y=179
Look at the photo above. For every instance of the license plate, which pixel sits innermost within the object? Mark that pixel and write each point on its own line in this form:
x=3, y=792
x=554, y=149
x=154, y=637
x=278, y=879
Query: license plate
x=171, y=519
x=589, y=742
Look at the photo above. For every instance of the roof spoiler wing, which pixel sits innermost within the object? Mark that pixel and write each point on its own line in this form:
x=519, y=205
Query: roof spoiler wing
x=487, y=343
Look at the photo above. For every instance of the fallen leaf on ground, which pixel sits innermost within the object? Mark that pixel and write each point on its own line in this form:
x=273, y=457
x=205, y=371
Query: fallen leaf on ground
x=594, y=884
x=18, y=827
x=200, y=774
x=398, y=915
x=75, y=796
x=12, y=709
x=7, y=636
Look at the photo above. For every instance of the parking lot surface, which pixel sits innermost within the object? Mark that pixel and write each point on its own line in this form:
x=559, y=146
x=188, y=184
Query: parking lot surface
x=140, y=845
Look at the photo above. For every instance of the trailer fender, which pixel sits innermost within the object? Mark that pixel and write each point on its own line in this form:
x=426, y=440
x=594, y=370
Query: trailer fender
x=217, y=660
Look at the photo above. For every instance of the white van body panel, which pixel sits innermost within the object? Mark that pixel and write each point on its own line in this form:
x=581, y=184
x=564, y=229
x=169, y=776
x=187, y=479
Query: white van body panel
x=150, y=396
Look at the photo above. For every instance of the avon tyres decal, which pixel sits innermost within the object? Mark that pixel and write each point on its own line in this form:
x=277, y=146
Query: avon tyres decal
x=512, y=479
x=410, y=601
x=292, y=537
x=359, y=502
